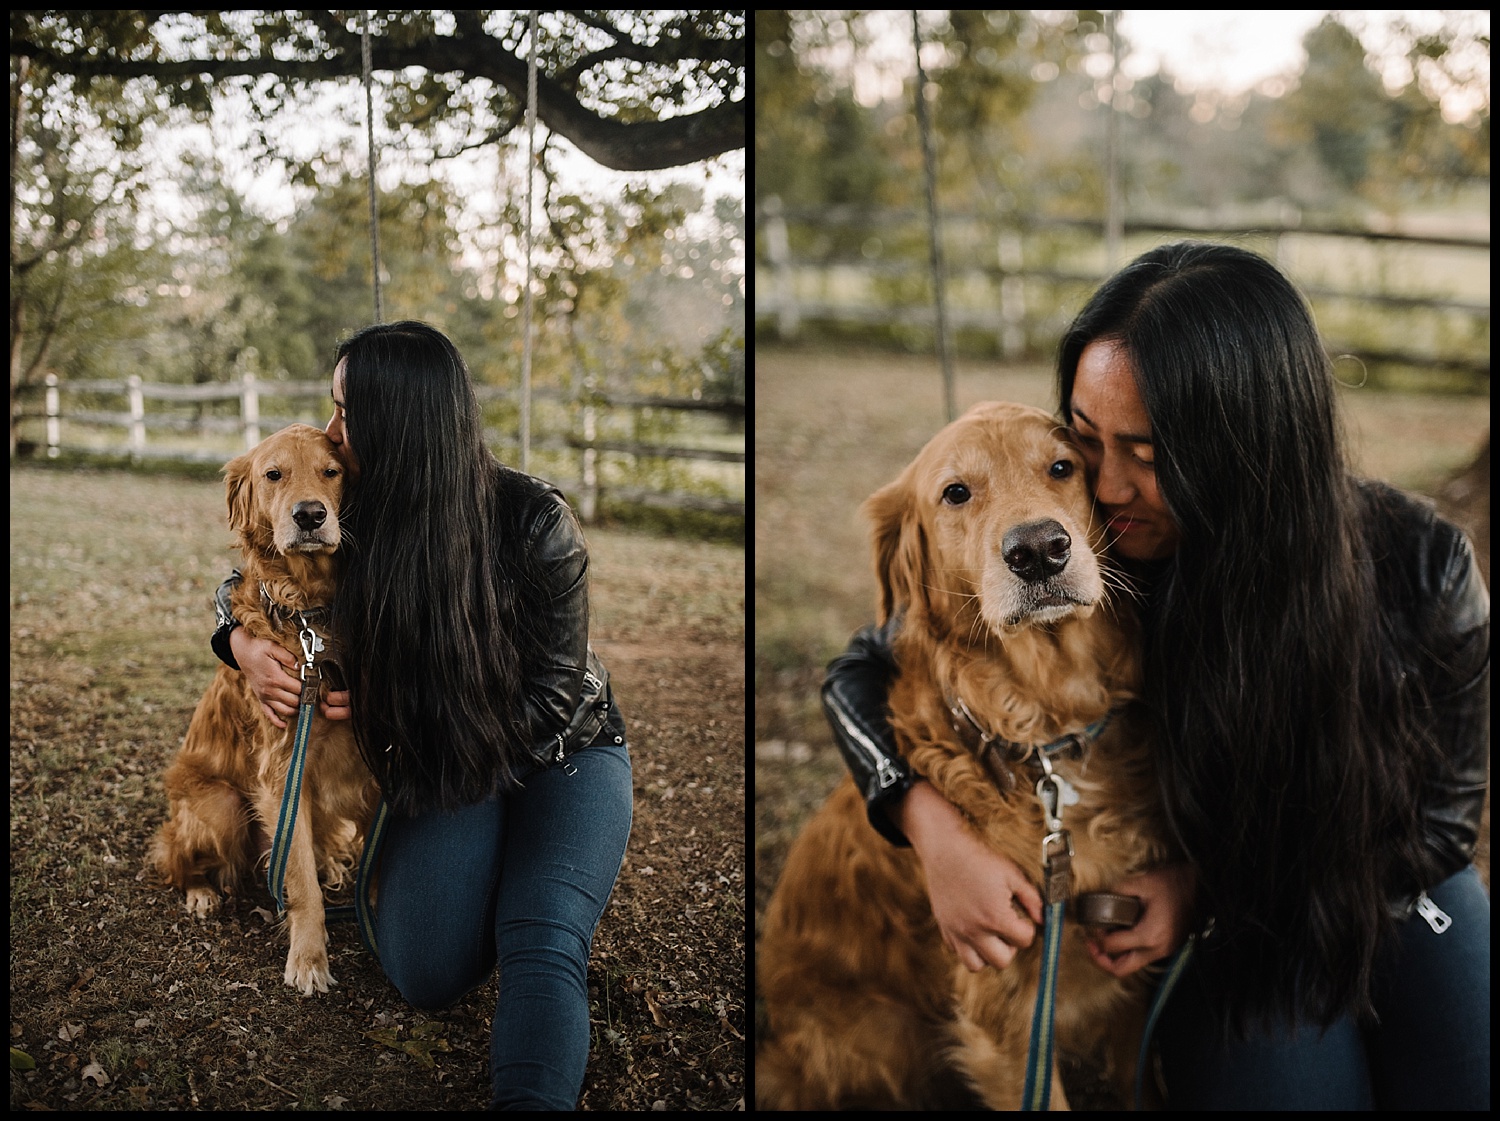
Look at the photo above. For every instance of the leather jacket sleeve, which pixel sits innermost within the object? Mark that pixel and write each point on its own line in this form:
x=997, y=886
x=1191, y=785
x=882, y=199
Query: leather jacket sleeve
x=566, y=694
x=854, y=700
x=224, y=620
x=1453, y=656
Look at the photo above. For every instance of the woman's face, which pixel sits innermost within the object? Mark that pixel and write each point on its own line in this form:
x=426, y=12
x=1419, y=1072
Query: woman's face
x=338, y=426
x=1114, y=435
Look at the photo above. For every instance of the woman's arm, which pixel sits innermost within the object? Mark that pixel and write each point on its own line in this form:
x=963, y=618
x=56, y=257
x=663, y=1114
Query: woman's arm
x=984, y=905
x=270, y=670
x=1454, y=661
x=854, y=700
x=559, y=607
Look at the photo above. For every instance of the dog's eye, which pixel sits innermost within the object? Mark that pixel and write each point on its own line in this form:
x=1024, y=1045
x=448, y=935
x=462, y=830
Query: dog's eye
x=273, y=474
x=1062, y=469
x=955, y=494
x=330, y=472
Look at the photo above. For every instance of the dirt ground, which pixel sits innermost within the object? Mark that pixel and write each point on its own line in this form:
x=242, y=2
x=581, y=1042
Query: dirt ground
x=119, y=1001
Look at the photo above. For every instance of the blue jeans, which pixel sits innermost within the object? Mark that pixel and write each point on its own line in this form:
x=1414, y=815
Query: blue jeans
x=520, y=880
x=1429, y=1051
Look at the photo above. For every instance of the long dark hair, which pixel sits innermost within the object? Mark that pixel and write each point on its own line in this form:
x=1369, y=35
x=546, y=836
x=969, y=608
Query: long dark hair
x=1292, y=751
x=428, y=607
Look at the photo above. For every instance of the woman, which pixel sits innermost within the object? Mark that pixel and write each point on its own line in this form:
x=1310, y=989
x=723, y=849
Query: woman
x=478, y=705
x=1316, y=659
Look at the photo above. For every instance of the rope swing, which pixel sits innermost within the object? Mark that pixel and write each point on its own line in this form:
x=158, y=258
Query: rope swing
x=370, y=149
x=527, y=237
x=934, y=233
x=526, y=314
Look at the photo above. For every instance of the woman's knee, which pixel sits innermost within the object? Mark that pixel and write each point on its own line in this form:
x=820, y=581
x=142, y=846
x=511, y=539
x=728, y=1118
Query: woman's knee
x=429, y=982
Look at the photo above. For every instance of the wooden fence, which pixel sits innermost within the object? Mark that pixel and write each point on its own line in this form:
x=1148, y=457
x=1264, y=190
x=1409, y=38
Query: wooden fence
x=585, y=446
x=1024, y=298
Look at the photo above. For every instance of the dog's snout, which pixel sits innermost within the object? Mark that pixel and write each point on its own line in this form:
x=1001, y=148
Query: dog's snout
x=309, y=515
x=1036, y=550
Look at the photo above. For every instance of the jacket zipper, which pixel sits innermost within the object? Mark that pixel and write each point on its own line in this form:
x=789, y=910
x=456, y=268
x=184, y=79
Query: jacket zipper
x=1433, y=914
x=885, y=770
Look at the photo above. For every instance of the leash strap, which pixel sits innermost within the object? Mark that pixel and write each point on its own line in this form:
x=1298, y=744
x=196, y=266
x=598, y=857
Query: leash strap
x=362, y=909
x=367, y=863
x=291, y=794
x=1038, y=1091
x=1163, y=991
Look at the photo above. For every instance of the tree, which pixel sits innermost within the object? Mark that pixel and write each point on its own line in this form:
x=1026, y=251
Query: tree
x=634, y=91
x=75, y=267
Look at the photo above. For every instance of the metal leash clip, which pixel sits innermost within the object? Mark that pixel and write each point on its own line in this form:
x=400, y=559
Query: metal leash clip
x=311, y=644
x=1057, y=845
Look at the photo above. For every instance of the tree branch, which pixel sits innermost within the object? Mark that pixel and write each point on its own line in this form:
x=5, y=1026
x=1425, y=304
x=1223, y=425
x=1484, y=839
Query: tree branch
x=670, y=141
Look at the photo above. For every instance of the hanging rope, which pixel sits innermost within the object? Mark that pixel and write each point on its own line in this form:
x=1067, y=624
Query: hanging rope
x=526, y=314
x=370, y=148
x=934, y=234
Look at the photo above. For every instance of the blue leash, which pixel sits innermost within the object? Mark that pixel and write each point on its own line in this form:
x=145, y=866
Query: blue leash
x=1057, y=871
x=1037, y=1094
x=362, y=910
x=1163, y=990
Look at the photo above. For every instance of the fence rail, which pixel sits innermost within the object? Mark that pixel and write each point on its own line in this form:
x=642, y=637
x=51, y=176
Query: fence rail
x=250, y=425
x=858, y=286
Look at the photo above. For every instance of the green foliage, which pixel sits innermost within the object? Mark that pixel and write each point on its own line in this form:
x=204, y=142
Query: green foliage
x=1019, y=130
x=453, y=76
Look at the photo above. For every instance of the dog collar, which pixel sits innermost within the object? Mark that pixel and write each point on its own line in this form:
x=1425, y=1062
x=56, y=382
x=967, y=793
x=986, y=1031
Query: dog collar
x=280, y=614
x=996, y=752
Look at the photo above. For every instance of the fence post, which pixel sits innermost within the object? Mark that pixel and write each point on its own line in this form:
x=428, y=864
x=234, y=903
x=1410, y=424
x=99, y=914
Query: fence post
x=250, y=409
x=54, y=418
x=588, y=501
x=779, y=247
x=137, y=417
x=1012, y=294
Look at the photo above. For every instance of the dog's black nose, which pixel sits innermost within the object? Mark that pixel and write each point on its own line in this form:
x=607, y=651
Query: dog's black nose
x=309, y=515
x=1036, y=550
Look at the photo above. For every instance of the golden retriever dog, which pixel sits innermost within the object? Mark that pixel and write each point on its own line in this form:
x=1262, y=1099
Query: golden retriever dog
x=225, y=786
x=987, y=548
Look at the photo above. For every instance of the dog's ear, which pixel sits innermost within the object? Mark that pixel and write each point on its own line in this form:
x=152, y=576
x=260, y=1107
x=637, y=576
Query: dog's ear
x=900, y=550
x=237, y=490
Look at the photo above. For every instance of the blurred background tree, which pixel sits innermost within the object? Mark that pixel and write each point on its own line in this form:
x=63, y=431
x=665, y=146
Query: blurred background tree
x=1017, y=96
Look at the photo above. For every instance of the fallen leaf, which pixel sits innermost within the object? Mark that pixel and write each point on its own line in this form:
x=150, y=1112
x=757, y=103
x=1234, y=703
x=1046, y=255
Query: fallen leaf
x=95, y=1072
x=20, y=1060
x=69, y=1032
x=656, y=1012
x=419, y=1048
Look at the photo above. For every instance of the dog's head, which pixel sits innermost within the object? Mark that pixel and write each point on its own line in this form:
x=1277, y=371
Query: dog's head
x=990, y=527
x=284, y=494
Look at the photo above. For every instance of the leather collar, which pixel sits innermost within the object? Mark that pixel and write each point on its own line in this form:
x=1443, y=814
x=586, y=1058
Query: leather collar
x=280, y=614
x=1000, y=756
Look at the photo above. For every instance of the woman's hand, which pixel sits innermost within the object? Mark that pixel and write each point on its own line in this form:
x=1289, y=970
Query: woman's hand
x=271, y=672
x=335, y=706
x=984, y=905
x=1166, y=895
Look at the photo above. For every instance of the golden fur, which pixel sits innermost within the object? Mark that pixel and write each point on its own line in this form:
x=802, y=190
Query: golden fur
x=867, y=1007
x=225, y=786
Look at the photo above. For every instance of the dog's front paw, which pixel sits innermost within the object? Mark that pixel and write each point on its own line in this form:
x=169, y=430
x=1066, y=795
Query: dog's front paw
x=309, y=974
x=202, y=902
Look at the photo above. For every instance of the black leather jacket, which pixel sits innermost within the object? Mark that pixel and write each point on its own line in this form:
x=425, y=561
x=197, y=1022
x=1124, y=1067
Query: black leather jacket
x=568, y=696
x=1427, y=574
